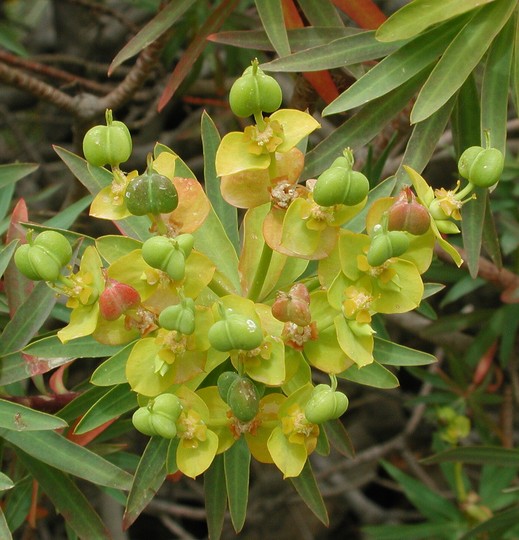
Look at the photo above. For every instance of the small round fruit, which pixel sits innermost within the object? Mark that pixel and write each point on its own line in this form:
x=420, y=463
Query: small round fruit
x=235, y=332
x=224, y=382
x=254, y=92
x=151, y=193
x=243, y=399
x=108, y=145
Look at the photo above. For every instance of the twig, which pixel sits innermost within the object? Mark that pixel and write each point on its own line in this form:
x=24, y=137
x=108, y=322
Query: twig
x=46, y=92
x=502, y=278
x=51, y=72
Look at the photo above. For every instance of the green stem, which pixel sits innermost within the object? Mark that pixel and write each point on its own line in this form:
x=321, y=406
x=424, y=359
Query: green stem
x=465, y=191
x=219, y=288
x=69, y=283
x=333, y=381
x=260, y=121
x=261, y=272
x=157, y=220
x=461, y=492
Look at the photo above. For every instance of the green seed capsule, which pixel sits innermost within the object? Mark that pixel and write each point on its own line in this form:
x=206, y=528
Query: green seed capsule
x=180, y=317
x=224, y=382
x=141, y=420
x=254, y=92
x=325, y=404
x=243, y=399
x=235, y=332
x=151, y=193
x=107, y=145
x=386, y=245
x=43, y=258
x=164, y=254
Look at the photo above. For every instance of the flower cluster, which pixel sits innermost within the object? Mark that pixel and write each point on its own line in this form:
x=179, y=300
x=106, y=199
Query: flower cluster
x=221, y=346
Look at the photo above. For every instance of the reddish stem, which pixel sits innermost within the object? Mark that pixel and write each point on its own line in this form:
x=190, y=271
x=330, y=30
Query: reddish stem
x=321, y=81
x=364, y=12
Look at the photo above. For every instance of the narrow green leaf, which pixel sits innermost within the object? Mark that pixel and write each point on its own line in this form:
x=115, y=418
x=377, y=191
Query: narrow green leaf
x=55, y=450
x=6, y=196
x=431, y=504
x=4, y=527
x=227, y=213
x=308, y=490
x=215, y=492
x=80, y=405
x=396, y=68
x=466, y=117
x=490, y=238
x=237, y=471
x=117, y=401
x=16, y=367
x=373, y=374
x=11, y=173
x=362, y=127
x=498, y=525
x=419, y=15
x=67, y=498
x=338, y=53
x=162, y=22
x=462, y=287
x=394, y=354
x=419, y=531
x=496, y=86
x=5, y=255
x=271, y=15
x=422, y=143
x=478, y=455
x=83, y=347
x=461, y=57
x=28, y=319
x=95, y=179
x=113, y=370
x=149, y=476
x=212, y=240
x=113, y=246
x=339, y=438
x=5, y=482
x=321, y=13
x=299, y=38
x=20, y=418
x=17, y=503
x=65, y=218
x=515, y=67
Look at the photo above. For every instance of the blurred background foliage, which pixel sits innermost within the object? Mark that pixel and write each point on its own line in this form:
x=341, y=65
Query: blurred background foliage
x=402, y=83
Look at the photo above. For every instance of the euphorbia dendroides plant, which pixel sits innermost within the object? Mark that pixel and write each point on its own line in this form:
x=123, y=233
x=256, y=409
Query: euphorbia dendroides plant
x=227, y=346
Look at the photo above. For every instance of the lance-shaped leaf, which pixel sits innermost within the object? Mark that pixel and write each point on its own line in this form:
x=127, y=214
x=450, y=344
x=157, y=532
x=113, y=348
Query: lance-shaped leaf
x=396, y=68
x=20, y=418
x=461, y=57
x=362, y=127
x=271, y=15
x=237, y=470
x=343, y=51
x=11, y=173
x=55, y=450
x=215, y=491
x=308, y=490
x=228, y=214
x=149, y=476
x=119, y=400
x=162, y=22
x=28, y=319
x=419, y=15
x=66, y=496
